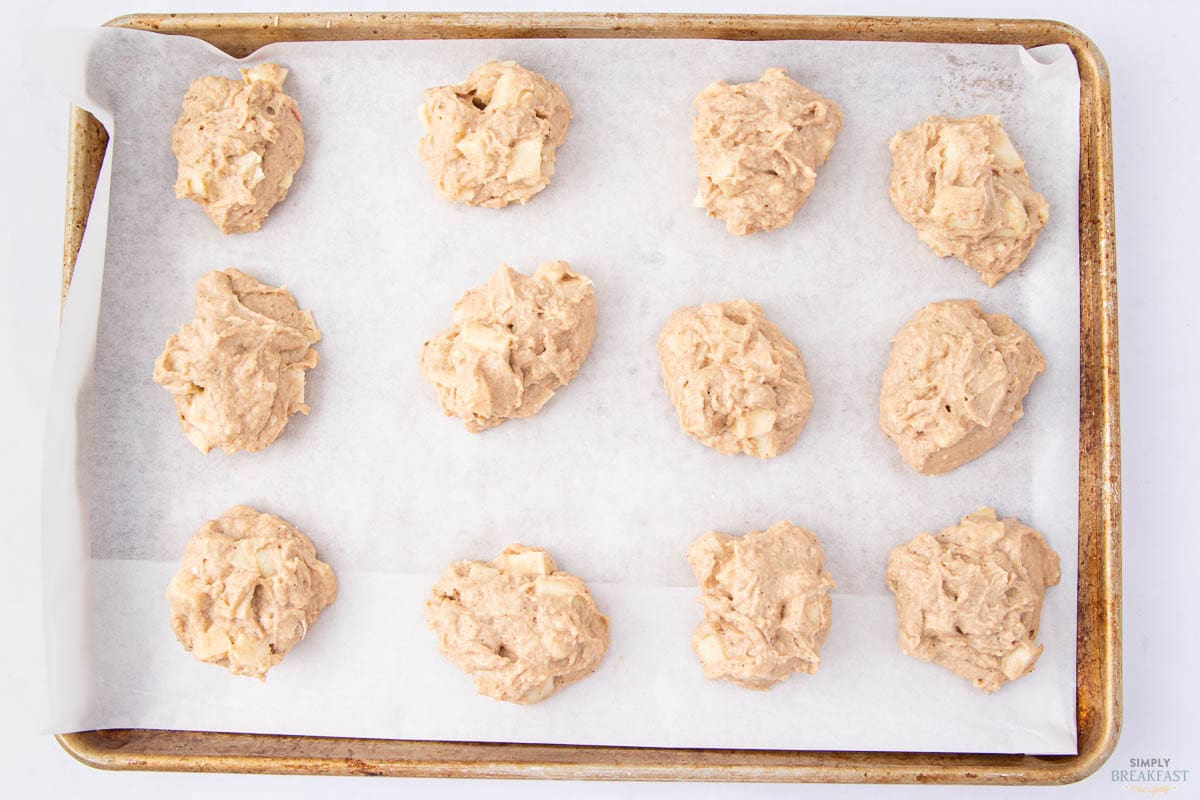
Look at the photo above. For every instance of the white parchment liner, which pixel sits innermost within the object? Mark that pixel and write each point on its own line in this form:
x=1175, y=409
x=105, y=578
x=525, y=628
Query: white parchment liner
x=389, y=490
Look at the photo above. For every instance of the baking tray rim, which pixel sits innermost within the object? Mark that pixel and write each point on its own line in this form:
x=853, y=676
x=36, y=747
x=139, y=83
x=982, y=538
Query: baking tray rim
x=1098, y=707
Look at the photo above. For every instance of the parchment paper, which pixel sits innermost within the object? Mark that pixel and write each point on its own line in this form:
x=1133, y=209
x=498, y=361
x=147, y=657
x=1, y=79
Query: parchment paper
x=390, y=490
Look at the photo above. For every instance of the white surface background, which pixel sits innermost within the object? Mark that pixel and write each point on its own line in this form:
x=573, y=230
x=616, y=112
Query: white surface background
x=1149, y=51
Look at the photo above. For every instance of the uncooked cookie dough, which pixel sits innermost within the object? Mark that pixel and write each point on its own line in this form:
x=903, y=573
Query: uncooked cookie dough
x=237, y=370
x=239, y=144
x=970, y=598
x=954, y=384
x=247, y=591
x=515, y=340
x=758, y=146
x=519, y=627
x=491, y=140
x=737, y=383
x=961, y=184
x=766, y=603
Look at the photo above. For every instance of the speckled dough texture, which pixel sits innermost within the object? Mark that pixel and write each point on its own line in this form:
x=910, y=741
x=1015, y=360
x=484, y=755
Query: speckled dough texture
x=955, y=383
x=962, y=185
x=515, y=341
x=767, y=609
x=970, y=598
x=517, y=625
x=239, y=145
x=236, y=372
x=248, y=589
x=491, y=140
x=758, y=146
x=736, y=381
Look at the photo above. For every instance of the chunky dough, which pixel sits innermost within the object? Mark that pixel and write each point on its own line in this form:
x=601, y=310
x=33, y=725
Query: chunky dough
x=491, y=140
x=239, y=144
x=970, y=598
x=237, y=370
x=766, y=604
x=248, y=589
x=962, y=185
x=954, y=384
x=519, y=627
x=736, y=381
x=757, y=149
x=515, y=340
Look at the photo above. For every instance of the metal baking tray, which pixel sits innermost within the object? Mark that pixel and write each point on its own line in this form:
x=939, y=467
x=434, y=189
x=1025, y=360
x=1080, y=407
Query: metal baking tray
x=1098, y=698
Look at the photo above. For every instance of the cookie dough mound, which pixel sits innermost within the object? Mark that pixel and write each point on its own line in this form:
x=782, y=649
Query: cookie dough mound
x=970, y=598
x=515, y=340
x=248, y=589
x=239, y=144
x=490, y=140
x=736, y=381
x=954, y=384
x=519, y=627
x=961, y=184
x=766, y=603
x=758, y=146
x=237, y=370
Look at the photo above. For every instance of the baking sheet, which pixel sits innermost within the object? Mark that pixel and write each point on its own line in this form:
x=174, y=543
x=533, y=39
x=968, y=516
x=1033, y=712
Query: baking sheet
x=390, y=490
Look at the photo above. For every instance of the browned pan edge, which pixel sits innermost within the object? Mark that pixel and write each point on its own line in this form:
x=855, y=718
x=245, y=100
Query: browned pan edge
x=1099, y=592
